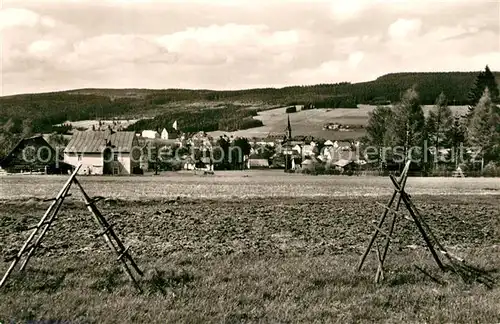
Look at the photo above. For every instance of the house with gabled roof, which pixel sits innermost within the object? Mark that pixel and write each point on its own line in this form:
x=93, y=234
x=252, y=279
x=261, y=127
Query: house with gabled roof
x=33, y=154
x=104, y=152
x=344, y=165
x=328, y=143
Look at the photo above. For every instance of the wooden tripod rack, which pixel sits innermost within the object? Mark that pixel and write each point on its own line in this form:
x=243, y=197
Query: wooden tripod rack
x=42, y=227
x=455, y=264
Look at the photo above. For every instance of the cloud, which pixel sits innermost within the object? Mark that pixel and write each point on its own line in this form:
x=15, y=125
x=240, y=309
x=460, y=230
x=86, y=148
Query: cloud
x=228, y=35
x=14, y=17
x=19, y=17
x=218, y=44
x=403, y=29
x=355, y=58
x=45, y=48
x=60, y=44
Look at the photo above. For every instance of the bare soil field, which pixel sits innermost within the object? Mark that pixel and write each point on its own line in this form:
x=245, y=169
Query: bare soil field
x=249, y=258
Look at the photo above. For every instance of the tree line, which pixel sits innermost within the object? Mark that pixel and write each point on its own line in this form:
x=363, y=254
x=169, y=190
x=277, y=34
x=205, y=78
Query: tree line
x=405, y=126
x=227, y=118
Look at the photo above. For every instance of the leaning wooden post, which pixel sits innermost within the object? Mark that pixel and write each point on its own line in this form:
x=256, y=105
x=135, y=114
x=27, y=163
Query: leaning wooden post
x=45, y=229
x=39, y=225
x=374, y=236
x=381, y=222
x=402, y=181
x=380, y=268
x=108, y=229
x=407, y=202
x=100, y=221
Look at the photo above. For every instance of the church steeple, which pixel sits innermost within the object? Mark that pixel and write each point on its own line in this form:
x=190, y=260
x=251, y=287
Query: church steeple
x=289, y=129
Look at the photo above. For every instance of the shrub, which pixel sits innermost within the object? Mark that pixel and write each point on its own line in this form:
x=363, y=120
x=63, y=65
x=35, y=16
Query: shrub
x=492, y=169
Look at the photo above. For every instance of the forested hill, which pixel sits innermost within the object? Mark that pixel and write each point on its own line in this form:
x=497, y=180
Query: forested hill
x=41, y=111
x=387, y=87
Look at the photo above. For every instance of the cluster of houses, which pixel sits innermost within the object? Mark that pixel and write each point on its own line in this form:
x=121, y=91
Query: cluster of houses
x=164, y=134
x=339, y=127
x=124, y=152
x=304, y=152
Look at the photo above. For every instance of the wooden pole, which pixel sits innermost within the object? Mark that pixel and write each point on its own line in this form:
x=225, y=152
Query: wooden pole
x=380, y=268
x=45, y=229
x=382, y=219
x=39, y=225
x=113, y=235
x=108, y=234
x=402, y=181
x=374, y=236
x=407, y=202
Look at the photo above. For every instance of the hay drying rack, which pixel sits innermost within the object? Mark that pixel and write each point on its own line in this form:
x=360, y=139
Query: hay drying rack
x=43, y=226
x=454, y=264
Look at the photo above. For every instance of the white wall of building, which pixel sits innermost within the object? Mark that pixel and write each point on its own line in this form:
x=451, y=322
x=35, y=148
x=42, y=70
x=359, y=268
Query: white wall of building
x=150, y=134
x=92, y=163
x=124, y=160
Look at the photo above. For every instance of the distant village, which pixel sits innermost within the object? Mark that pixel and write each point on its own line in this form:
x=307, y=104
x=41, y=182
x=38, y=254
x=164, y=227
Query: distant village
x=105, y=148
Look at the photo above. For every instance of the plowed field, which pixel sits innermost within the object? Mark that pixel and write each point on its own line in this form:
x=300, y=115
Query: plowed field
x=242, y=259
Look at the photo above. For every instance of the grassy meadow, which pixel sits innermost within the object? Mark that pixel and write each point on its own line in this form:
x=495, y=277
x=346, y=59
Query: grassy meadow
x=238, y=185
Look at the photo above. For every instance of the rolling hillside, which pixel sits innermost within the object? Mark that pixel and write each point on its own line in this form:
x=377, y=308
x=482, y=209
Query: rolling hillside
x=310, y=122
x=217, y=110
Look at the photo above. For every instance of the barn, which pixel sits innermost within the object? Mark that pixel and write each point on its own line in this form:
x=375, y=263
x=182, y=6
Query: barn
x=344, y=165
x=253, y=163
x=104, y=152
x=33, y=154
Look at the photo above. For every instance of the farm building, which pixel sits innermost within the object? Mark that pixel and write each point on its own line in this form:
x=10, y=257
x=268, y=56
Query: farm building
x=170, y=143
x=258, y=164
x=331, y=153
x=164, y=134
x=150, y=134
x=104, y=152
x=189, y=163
x=308, y=149
x=344, y=165
x=286, y=149
x=309, y=164
x=169, y=133
x=274, y=137
x=33, y=154
x=297, y=149
x=288, y=161
x=328, y=143
x=264, y=142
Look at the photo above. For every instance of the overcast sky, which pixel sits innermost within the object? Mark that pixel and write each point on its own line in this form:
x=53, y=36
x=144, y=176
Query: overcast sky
x=51, y=45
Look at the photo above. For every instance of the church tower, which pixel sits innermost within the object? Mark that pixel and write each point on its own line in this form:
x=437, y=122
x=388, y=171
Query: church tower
x=289, y=130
